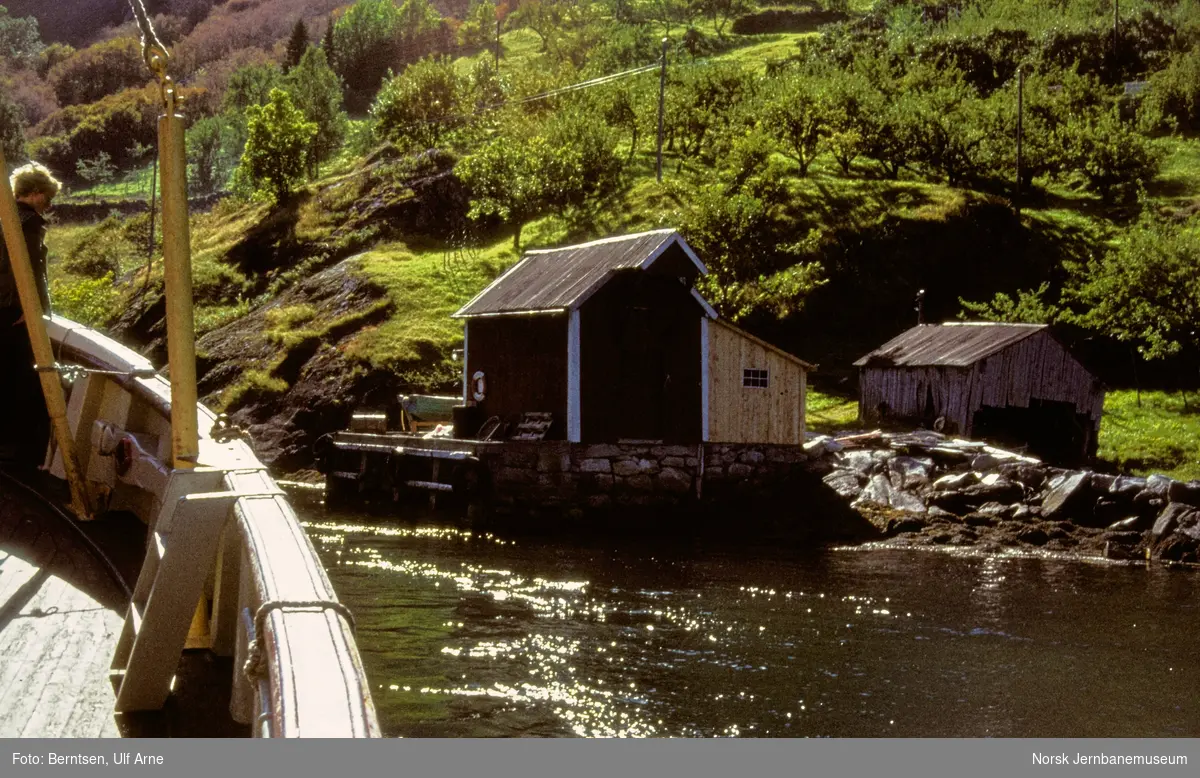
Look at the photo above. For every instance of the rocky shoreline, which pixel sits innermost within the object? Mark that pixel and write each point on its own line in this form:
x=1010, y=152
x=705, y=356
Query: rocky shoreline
x=923, y=489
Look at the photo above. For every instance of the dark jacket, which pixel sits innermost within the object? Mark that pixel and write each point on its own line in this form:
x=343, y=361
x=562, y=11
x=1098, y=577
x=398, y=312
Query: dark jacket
x=34, y=228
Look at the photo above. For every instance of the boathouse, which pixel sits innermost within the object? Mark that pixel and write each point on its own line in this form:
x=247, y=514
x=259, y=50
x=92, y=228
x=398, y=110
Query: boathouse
x=1014, y=383
x=610, y=341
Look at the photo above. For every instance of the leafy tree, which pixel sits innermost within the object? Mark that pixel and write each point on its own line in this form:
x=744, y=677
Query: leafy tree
x=103, y=69
x=1146, y=291
x=419, y=106
x=749, y=270
x=317, y=91
x=51, y=56
x=12, y=132
x=297, y=45
x=364, y=43
x=20, y=40
x=721, y=12
x=96, y=170
x=701, y=100
x=1110, y=154
x=1029, y=307
x=527, y=171
x=277, y=144
x=209, y=144
x=1172, y=98
x=251, y=85
x=794, y=112
x=848, y=103
x=478, y=29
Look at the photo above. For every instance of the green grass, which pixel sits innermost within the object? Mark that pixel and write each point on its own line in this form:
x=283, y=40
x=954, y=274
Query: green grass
x=129, y=185
x=425, y=286
x=828, y=413
x=1160, y=436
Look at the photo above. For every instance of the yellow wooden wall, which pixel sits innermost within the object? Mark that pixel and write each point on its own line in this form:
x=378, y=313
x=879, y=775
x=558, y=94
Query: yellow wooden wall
x=738, y=414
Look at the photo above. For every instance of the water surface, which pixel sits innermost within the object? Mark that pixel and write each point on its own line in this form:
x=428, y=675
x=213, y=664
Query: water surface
x=475, y=634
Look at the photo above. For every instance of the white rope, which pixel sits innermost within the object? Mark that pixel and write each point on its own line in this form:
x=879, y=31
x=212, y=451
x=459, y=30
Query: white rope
x=256, y=660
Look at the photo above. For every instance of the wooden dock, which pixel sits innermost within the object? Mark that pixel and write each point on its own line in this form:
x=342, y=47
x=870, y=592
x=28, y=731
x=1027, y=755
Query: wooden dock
x=60, y=616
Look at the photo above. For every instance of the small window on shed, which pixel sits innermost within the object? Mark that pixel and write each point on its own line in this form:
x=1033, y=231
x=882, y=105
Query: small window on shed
x=755, y=378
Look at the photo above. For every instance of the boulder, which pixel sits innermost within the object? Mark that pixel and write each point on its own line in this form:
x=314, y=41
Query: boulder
x=912, y=471
x=955, y=482
x=1101, y=482
x=984, y=463
x=1159, y=485
x=1069, y=498
x=998, y=509
x=1176, y=516
x=1025, y=512
x=1186, y=493
x=878, y=491
x=859, y=460
x=847, y=483
x=935, y=513
x=994, y=490
x=903, y=501
x=1031, y=476
x=1127, y=486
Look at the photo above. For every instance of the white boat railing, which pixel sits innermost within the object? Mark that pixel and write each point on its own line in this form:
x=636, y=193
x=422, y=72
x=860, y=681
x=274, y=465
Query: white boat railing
x=298, y=672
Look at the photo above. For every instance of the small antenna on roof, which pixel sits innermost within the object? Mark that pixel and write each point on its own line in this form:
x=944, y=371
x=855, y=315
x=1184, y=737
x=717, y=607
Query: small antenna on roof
x=920, y=306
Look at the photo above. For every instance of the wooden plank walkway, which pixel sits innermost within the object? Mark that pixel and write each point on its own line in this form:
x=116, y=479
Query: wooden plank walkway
x=60, y=617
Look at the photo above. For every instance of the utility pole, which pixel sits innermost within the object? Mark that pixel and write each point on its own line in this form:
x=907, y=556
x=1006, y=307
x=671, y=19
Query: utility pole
x=662, y=92
x=1020, y=130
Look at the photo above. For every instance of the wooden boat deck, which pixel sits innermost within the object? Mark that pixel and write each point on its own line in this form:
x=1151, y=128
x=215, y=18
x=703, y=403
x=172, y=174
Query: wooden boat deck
x=60, y=616
x=61, y=613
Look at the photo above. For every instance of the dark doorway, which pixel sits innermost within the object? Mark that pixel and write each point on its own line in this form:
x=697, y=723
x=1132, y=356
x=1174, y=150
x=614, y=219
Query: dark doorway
x=1048, y=429
x=642, y=376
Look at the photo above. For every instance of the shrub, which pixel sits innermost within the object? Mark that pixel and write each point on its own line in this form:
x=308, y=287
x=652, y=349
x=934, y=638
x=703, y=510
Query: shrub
x=88, y=301
x=1112, y=156
x=1172, y=98
x=99, y=70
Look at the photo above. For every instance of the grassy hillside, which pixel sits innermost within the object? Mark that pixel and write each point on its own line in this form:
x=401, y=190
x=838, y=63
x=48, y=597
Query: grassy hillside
x=877, y=239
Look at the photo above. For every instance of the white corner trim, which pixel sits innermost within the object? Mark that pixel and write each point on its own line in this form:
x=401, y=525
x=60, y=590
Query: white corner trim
x=705, y=380
x=466, y=352
x=574, y=411
x=709, y=311
x=676, y=238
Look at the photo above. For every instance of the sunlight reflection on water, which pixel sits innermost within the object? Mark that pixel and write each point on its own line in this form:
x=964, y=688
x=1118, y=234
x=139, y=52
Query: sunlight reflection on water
x=473, y=634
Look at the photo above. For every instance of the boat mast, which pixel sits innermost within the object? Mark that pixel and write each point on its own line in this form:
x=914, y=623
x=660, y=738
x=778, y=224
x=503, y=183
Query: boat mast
x=39, y=340
x=177, y=267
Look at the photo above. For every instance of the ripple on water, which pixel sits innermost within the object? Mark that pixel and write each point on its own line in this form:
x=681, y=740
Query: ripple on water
x=470, y=633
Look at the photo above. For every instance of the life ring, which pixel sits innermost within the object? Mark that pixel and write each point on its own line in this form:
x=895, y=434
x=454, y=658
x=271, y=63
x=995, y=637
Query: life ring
x=479, y=386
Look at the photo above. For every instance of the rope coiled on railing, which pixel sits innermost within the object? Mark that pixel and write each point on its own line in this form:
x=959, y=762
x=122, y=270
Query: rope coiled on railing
x=255, y=666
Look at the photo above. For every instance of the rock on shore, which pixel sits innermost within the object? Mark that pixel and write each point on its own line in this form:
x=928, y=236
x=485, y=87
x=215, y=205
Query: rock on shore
x=923, y=488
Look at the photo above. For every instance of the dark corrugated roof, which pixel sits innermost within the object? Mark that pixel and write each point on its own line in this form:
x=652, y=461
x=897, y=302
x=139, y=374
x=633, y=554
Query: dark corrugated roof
x=563, y=278
x=956, y=344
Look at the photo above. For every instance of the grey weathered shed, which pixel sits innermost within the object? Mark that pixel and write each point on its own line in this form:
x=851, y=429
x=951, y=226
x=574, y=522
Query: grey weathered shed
x=1011, y=382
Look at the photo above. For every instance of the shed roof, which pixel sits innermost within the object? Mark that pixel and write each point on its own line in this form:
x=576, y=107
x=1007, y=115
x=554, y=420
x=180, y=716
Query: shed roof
x=562, y=279
x=953, y=344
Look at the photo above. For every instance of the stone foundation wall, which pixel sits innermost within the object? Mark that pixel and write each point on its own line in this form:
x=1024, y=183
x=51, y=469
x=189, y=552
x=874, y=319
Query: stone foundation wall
x=599, y=475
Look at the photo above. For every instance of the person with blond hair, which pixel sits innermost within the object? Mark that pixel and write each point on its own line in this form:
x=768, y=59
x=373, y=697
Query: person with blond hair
x=24, y=437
